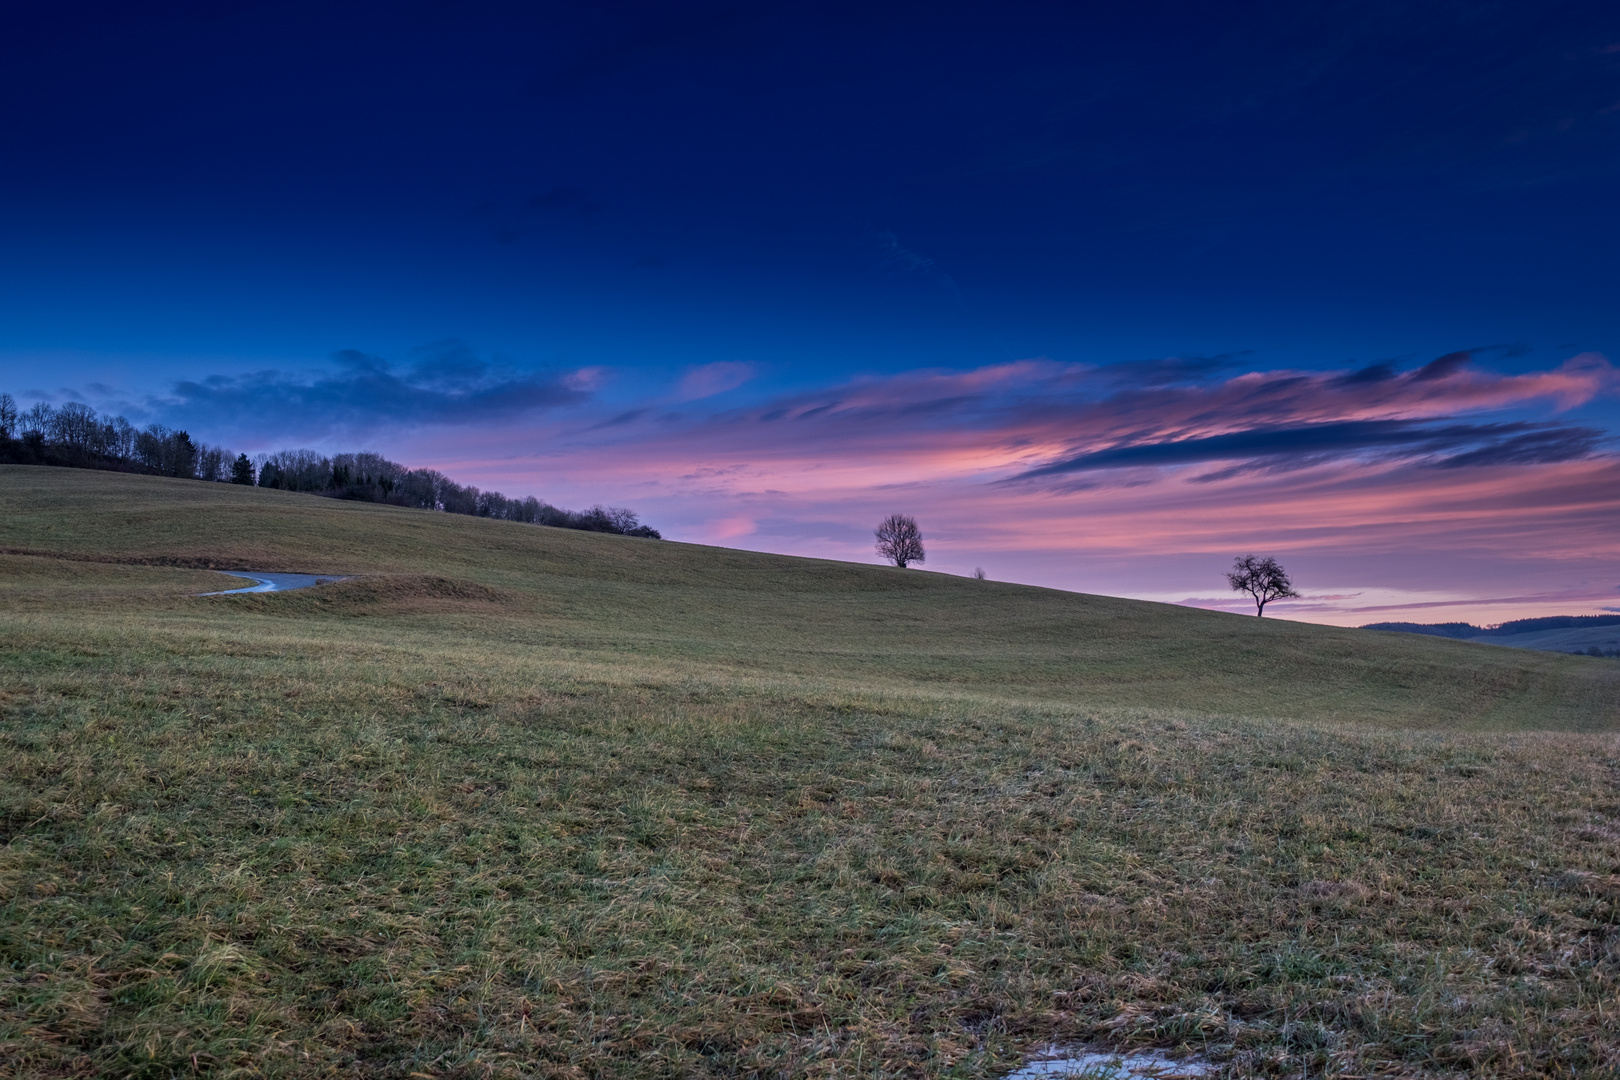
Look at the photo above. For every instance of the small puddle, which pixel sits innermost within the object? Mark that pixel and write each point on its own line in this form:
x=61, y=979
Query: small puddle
x=273, y=582
x=1078, y=1062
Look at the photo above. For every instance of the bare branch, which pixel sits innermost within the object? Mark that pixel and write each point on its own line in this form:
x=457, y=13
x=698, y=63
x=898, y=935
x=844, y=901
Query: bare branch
x=899, y=540
x=1264, y=579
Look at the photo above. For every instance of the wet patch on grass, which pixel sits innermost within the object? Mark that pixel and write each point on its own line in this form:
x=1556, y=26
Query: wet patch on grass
x=378, y=594
x=1089, y=1063
x=264, y=582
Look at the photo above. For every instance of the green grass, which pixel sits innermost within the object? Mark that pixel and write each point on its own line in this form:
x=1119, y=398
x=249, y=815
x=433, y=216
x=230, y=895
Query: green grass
x=524, y=801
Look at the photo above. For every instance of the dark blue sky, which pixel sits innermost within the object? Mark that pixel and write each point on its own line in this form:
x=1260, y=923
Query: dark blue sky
x=809, y=185
x=614, y=207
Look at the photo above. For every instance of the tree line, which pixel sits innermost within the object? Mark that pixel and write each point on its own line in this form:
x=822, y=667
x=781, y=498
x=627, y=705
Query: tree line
x=76, y=436
x=1506, y=629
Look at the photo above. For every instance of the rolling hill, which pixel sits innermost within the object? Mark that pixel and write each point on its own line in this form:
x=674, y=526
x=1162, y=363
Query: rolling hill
x=526, y=801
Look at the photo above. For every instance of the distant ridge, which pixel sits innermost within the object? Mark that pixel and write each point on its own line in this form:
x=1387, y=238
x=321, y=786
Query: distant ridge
x=75, y=436
x=1507, y=629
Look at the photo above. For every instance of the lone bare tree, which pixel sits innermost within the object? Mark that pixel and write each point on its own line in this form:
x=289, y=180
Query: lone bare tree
x=899, y=540
x=1264, y=579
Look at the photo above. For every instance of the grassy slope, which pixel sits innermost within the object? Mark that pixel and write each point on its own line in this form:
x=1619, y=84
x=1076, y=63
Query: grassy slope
x=681, y=604
x=532, y=801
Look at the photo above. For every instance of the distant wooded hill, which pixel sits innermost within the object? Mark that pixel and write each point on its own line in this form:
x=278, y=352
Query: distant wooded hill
x=75, y=436
x=1590, y=635
x=1517, y=626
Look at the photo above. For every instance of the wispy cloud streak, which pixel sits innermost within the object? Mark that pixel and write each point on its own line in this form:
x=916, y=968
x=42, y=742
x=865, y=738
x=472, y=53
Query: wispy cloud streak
x=444, y=384
x=1449, y=445
x=1038, y=421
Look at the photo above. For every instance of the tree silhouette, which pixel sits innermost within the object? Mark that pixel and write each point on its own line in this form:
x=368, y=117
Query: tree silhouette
x=899, y=540
x=1264, y=579
x=76, y=436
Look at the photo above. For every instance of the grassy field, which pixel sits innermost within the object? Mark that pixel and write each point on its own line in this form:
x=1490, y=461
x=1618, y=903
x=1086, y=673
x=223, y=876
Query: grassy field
x=530, y=802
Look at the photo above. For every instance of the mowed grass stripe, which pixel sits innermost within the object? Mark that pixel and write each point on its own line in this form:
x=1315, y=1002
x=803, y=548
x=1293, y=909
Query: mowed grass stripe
x=528, y=802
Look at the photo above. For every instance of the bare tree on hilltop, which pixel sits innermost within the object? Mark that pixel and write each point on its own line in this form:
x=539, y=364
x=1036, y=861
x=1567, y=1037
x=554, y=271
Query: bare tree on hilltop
x=899, y=540
x=1264, y=579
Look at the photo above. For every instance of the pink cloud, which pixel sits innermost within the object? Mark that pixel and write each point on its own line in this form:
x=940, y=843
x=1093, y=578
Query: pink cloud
x=730, y=528
x=1456, y=468
x=711, y=379
x=1017, y=416
x=587, y=378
